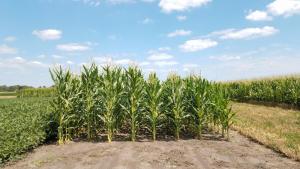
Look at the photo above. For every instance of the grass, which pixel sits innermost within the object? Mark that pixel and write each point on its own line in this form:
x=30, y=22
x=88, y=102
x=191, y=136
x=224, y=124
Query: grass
x=274, y=127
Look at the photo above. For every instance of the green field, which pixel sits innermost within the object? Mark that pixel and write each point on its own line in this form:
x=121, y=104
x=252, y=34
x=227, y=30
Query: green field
x=24, y=124
x=99, y=103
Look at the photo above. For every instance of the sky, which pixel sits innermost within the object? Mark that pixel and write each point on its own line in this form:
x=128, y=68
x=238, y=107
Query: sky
x=217, y=39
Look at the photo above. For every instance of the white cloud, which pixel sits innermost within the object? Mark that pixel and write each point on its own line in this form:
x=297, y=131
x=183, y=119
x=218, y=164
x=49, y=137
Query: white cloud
x=197, y=45
x=181, y=18
x=37, y=63
x=159, y=56
x=147, y=21
x=94, y=3
x=180, y=5
x=108, y=60
x=4, y=49
x=284, y=7
x=165, y=63
x=57, y=56
x=164, y=49
x=225, y=58
x=20, y=63
x=70, y=62
x=123, y=62
x=250, y=33
x=48, y=34
x=190, y=67
x=10, y=39
x=179, y=32
x=258, y=16
x=73, y=47
x=144, y=63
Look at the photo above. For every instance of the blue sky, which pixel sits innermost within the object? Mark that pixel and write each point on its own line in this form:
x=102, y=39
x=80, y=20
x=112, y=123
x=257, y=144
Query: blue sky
x=223, y=41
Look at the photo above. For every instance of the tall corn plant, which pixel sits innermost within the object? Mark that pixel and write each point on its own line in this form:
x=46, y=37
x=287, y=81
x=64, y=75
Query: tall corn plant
x=176, y=101
x=200, y=101
x=135, y=98
x=222, y=109
x=110, y=94
x=89, y=81
x=153, y=102
x=63, y=104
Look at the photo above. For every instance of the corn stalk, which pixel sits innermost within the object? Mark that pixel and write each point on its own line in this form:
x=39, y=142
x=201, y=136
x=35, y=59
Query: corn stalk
x=135, y=98
x=154, y=102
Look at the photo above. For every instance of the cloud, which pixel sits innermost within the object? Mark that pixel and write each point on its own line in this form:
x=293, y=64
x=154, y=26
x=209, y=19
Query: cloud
x=72, y=47
x=225, y=58
x=144, y=63
x=181, y=18
x=284, y=7
x=4, y=49
x=57, y=56
x=123, y=62
x=10, y=39
x=159, y=57
x=179, y=32
x=250, y=33
x=258, y=16
x=180, y=5
x=165, y=63
x=108, y=60
x=48, y=34
x=190, y=67
x=21, y=63
x=70, y=62
x=147, y=21
x=197, y=45
x=164, y=49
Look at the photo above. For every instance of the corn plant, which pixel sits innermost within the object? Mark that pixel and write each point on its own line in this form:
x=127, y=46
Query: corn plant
x=223, y=113
x=89, y=79
x=63, y=104
x=110, y=94
x=176, y=101
x=135, y=98
x=153, y=102
x=200, y=101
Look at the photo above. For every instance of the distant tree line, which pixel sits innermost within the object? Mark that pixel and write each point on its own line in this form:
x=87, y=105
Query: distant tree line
x=14, y=88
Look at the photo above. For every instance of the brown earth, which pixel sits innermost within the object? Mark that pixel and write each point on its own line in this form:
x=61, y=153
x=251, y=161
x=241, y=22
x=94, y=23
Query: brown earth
x=209, y=153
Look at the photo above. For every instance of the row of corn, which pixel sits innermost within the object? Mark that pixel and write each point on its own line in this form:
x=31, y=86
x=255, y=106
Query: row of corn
x=110, y=100
x=35, y=92
x=279, y=90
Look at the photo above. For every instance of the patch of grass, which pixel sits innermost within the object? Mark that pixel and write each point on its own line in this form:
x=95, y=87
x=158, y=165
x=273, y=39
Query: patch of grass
x=274, y=127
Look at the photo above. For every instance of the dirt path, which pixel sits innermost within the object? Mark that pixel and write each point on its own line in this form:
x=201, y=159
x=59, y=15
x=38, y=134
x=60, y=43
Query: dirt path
x=239, y=153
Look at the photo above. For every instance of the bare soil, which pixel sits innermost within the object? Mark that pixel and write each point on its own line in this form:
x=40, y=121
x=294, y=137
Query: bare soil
x=209, y=153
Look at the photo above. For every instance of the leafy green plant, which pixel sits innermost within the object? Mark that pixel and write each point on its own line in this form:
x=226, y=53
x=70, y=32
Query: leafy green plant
x=135, y=98
x=110, y=94
x=153, y=102
x=24, y=124
x=200, y=100
x=176, y=101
